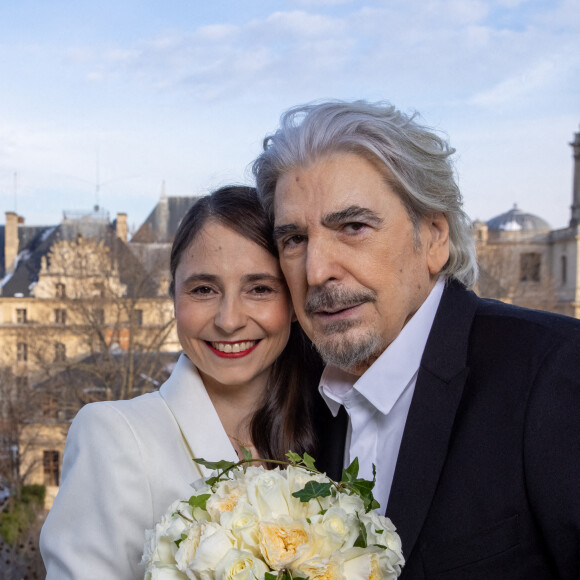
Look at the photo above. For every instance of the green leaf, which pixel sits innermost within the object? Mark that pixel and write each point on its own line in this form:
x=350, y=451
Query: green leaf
x=247, y=454
x=294, y=457
x=308, y=461
x=199, y=500
x=381, y=546
x=312, y=490
x=270, y=576
x=361, y=541
x=221, y=465
x=351, y=472
x=183, y=537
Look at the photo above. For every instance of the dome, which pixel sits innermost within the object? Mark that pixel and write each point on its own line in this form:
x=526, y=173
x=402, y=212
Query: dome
x=516, y=220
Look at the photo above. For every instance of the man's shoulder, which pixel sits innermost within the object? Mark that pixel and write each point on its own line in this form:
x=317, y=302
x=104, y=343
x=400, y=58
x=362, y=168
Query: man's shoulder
x=540, y=322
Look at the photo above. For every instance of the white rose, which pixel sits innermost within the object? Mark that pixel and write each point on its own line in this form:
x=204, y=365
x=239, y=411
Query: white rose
x=160, y=541
x=370, y=563
x=335, y=530
x=227, y=494
x=268, y=493
x=240, y=565
x=205, y=545
x=297, y=479
x=165, y=573
x=283, y=541
x=243, y=523
x=322, y=568
x=351, y=504
x=380, y=530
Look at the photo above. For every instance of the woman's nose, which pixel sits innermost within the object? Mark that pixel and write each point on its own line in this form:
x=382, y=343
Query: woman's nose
x=231, y=315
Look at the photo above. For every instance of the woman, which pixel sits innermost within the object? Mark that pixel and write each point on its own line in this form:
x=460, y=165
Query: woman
x=246, y=378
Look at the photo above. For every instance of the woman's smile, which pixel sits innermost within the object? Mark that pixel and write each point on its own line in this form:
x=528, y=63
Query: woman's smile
x=233, y=349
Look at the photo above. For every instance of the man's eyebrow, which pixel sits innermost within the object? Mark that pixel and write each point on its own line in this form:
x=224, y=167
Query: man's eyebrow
x=351, y=214
x=284, y=230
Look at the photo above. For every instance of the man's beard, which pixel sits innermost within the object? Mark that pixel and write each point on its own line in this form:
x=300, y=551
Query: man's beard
x=334, y=344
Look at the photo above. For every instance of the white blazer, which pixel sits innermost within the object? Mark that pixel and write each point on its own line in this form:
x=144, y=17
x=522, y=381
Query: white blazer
x=124, y=463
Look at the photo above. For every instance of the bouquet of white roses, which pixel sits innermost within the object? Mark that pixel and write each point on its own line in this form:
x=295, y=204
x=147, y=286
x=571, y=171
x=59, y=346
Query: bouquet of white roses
x=249, y=523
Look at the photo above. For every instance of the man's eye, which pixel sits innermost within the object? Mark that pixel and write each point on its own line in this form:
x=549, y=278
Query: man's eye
x=261, y=289
x=354, y=227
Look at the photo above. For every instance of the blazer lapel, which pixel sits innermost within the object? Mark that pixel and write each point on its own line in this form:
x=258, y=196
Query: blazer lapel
x=331, y=437
x=196, y=416
x=438, y=391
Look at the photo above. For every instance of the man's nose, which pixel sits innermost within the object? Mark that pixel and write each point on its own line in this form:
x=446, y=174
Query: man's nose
x=322, y=262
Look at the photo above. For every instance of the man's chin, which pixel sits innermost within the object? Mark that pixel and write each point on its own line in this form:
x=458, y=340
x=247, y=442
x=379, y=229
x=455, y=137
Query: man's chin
x=353, y=355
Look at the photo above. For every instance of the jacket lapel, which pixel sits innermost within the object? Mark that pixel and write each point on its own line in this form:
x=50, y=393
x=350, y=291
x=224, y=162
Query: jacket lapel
x=196, y=416
x=438, y=391
x=330, y=439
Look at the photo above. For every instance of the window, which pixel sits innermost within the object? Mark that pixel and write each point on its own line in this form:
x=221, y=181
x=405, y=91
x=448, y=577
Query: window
x=564, y=265
x=59, y=352
x=22, y=352
x=99, y=316
x=530, y=267
x=137, y=317
x=21, y=316
x=51, y=464
x=60, y=290
x=60, y=315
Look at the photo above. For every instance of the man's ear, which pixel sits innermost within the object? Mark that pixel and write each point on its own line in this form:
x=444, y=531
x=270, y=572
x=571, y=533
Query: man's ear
x=438, y=242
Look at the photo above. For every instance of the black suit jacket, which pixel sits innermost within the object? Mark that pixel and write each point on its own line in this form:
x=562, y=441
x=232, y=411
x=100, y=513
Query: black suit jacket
x=487, y=482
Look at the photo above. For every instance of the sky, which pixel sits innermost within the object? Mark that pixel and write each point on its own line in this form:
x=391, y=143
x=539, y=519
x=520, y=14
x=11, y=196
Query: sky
x=113, y=102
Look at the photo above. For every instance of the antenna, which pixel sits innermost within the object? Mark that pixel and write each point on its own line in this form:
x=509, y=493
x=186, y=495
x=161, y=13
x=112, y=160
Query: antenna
x=15, y=192
x=97, y=183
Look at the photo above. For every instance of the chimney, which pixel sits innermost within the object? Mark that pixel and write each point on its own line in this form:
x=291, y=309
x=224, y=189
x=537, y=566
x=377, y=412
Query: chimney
x=121, y=226
x=10, y=241
x=575, y=217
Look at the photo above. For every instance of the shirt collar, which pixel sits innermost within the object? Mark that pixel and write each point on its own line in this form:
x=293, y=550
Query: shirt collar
x=396, y=367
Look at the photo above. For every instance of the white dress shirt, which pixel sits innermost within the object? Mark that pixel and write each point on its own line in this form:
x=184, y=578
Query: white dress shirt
x=378, y=402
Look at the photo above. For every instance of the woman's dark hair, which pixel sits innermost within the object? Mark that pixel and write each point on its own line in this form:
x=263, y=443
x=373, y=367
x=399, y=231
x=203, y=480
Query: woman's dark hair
x=284, y=421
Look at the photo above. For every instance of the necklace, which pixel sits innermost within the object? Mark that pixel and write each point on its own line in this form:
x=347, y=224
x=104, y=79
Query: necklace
x=241, y=443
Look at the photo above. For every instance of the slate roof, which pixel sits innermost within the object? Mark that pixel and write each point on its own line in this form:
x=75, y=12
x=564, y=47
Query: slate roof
x=36, y=241
x=162, y=223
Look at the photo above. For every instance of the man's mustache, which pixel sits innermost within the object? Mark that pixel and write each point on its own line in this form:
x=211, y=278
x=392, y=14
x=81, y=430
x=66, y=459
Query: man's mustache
x=328, y=298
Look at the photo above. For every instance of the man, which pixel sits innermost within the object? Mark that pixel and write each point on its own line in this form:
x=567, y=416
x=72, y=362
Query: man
x=469, y=408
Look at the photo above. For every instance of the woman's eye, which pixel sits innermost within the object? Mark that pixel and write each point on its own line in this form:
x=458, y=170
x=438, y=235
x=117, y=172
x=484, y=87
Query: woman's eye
x=202, y=290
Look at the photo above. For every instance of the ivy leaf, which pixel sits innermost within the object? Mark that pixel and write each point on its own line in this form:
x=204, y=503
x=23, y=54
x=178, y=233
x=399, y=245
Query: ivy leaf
x=293, y=457
x=361, y=541
x=312, y=490
x=183, y=537
x=351, y=472
x=308, y=461
x=247, y=454
x=199, y=500
x=221, y=465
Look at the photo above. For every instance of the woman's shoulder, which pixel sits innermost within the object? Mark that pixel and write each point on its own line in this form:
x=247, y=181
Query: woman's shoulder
x=145, y=408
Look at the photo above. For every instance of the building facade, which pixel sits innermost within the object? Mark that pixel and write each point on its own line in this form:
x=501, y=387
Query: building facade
x=524, y=262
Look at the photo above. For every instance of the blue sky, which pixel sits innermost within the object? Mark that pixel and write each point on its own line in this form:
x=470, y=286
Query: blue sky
x=109, y=100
